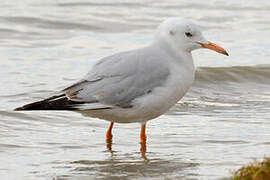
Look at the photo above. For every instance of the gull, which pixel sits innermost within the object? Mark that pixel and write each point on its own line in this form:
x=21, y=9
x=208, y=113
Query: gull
x=137, y=85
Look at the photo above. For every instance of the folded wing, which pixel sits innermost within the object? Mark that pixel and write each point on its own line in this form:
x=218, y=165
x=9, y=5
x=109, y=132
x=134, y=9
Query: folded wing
x=119, y=79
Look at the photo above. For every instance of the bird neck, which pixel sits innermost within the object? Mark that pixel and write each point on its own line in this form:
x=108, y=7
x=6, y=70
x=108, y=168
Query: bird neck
x=179, y=56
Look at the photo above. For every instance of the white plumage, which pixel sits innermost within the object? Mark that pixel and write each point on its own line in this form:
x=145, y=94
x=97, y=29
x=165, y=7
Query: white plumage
x=141, y=84
x=137, y=85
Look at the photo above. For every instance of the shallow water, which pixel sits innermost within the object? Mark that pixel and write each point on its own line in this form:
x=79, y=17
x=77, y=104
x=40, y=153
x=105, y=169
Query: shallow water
x=221, y=124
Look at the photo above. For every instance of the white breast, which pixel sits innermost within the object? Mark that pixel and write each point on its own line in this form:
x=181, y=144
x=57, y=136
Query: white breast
x=163, y=98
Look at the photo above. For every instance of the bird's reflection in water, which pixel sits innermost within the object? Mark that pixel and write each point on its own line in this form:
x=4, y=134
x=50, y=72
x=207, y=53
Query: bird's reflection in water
x=126, y=166
x=143, y=151
x=143, y=148
x=109, y=146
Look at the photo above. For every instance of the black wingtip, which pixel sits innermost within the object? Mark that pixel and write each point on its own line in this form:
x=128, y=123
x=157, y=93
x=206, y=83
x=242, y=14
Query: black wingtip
x=18, y=109
x=60, y=102
x=26, y=107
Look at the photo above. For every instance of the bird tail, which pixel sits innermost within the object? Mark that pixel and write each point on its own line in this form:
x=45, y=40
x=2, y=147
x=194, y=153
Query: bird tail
x=60, y=102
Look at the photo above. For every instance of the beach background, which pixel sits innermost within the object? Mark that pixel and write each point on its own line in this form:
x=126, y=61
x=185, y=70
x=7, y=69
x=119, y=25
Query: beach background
x=221, y=124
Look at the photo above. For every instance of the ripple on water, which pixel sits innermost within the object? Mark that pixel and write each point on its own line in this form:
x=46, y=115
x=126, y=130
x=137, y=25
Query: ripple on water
x=221, y=124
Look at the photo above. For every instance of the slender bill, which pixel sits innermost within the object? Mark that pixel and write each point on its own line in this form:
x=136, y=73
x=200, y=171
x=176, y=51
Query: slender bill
x=214, y=47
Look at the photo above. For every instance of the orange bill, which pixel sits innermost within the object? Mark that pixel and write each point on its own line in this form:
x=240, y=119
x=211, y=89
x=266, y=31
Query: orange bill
x=214, y=47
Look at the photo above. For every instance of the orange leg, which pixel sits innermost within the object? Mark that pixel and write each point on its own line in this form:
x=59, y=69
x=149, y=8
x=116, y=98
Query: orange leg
x=109, y=132
x=143, y=135
x=109, y=137
x=143, y=142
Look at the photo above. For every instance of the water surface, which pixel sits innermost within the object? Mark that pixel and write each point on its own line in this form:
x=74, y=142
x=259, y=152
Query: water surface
x=221, y=124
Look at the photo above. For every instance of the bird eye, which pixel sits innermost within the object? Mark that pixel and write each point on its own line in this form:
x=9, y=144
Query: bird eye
x=188, y=34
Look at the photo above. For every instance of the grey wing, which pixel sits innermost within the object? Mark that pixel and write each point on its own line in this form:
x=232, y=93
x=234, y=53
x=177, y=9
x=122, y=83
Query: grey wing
x=119, y=79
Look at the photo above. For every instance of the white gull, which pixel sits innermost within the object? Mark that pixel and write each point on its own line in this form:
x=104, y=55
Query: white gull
x=137, y=85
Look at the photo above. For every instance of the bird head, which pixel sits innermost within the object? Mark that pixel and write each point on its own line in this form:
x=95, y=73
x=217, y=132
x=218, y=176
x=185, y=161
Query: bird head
x=183, y=35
